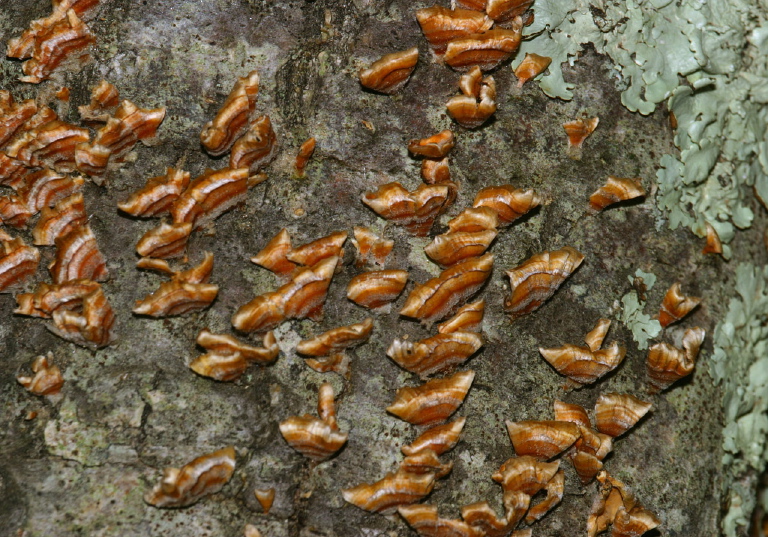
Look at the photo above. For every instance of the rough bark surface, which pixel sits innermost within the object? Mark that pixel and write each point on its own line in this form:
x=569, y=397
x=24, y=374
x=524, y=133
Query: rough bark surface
x=82, y=466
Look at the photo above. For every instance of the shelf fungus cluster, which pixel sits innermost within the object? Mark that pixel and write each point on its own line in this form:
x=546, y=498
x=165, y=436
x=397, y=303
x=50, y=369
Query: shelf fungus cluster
x=60, y=38
x=228, y=358
x=535, y=280
x=187, y=291
x=615, y=190
x=477, y=103
x=202, y=477
x=416, y=474
x=47, y=379
x=586, y=364
x=617, y=508
x=328, y=350
x=283, y=260
x=391, y=72
x=316, y=438
x=578, y=131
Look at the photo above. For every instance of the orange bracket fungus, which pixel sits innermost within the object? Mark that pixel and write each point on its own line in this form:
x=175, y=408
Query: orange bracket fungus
x=434, y=147
x=47, y=379
x=505, y=11
x=104, y=99
x=305, y=153
x=617, y=413
x=202, y=477
x=676, y=305
x=371, y=249
x=165, y=241
x=436, y=354
x=18, y=262
x=441, y=26
x=432, y=402
x=256, y=148
x=474, y=219
x=453, y=247
x=478, y=102
x=531, y=67
x=78, y=257
x=391, y=72
x=485, y=50
x=228, y=358
x=265, y=497
x=577, y=131
x=589, y=451
x=542, y=439
x=67, y=215
x=427, y=523
x=416, y=211
x=667, y=364
x=508, y=202
x=316, y=439
x=302, y=297
x=468, y=318
x=157, y=196
x=713, y=245
x=616, y=507
x=313, y=252
x=231, y=121
x=273, y=256
x=435, y=299
x=536, y=279
x=439, y=439
x=210, y=195
x=186, y=292
x=615, y=190
x=585, y=365
x=328, y=348
x=387, y=494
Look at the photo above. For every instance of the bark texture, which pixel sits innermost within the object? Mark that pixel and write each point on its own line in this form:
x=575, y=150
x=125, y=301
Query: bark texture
x=82, y=465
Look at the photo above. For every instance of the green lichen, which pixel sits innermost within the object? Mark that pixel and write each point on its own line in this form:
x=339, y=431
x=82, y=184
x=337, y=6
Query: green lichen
x=642, y=326
x=740, y=365
x=707, y=61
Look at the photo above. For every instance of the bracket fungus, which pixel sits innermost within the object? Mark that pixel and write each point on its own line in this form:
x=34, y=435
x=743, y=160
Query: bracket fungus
x=231, y=121
x=485, y=50
x=585, y=365
x=436, y=354
x=616, y=413
x=531, y=67
x=616, y=507
x=474, y=219
x=468, y=318
x=186, y=292
x=202, y=477
x=424, y=519
x=371, y=249
x=615, y=190
x=432, y=402
x=78, y=257
x=535, y=280
x=265, y=497
x=305, y=153
x=666, y=364
x=542, y=439
x=434, y=147
x=18, y=261
x=478, y=102
x=441, y=26
x=454, y=247
x=416, y=211
x=104, y=99
x=390, y=492
x=165, y=241
x=273, y=256
x=157, y=196
x=505, y=11
x=228, y=358
x=713, y=244
x=328, y=349
x=67, y=215
x=439, y=439
x=316, y=439
x=577, y=131
x=47, y=380
x=508, y=202
x=676, y=305
x=391, y=72
x=210, y=195
x=435, y=299
x=256, y=148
